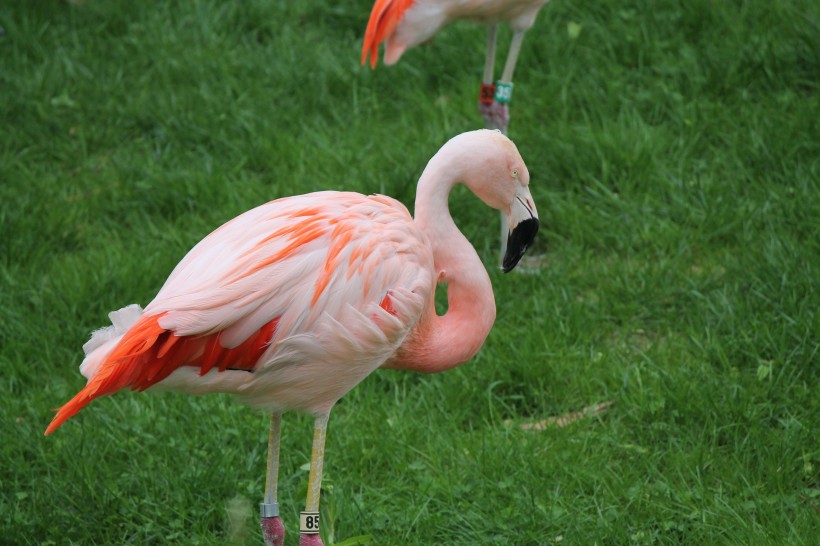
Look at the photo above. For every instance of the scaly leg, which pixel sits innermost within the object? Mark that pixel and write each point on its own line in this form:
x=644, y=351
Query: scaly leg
x=309, y=519
x=485, y=97
x=273, y=530
x=504, y=87
x=512, y=55
x=489, y=62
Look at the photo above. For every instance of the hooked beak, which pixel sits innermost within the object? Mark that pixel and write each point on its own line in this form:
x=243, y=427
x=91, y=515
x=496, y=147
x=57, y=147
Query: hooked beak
x=523, y=225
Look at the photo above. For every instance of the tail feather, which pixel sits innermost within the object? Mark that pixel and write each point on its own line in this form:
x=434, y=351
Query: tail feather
x=104, y=340
x=147, y=353
x=117, y=369
x=384, y=18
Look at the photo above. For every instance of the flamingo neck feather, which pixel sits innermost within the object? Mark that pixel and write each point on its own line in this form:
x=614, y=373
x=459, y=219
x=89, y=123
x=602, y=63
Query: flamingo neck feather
x=442, y=342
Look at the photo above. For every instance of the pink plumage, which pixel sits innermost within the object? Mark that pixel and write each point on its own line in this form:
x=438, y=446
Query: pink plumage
x=293, y=303
x=308, y=273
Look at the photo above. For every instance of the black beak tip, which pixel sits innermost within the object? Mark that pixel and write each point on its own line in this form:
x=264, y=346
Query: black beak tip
x=518, y=242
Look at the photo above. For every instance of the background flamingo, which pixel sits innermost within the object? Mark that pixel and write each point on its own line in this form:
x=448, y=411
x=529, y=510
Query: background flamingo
x=402, y=24
x=293, y=303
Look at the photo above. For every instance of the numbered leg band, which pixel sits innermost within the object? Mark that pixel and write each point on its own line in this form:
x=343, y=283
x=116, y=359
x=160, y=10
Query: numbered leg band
x=503, y=92
x=309, y=523
x=486, y=94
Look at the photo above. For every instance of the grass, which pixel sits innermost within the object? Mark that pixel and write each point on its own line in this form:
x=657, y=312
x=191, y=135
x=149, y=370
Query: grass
x=675, y=154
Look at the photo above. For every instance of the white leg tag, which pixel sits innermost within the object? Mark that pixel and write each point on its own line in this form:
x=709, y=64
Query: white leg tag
x=309, y=523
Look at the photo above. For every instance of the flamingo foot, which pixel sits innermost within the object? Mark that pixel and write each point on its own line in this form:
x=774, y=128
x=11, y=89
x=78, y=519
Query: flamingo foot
x=273, y=531
x=310, y=540
x=496, y=115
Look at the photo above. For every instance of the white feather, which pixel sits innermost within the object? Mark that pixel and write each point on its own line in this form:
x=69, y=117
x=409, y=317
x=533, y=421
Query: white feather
x=103, y=340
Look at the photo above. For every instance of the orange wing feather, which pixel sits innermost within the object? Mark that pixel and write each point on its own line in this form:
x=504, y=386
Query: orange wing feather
x=148, y=353
x=384, y=17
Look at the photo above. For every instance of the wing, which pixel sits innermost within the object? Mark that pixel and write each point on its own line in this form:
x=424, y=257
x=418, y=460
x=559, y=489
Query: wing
x=294, y=259
x=278, y=272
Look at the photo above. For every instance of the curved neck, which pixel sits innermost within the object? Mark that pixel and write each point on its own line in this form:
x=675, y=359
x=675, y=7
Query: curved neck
x=442, y=342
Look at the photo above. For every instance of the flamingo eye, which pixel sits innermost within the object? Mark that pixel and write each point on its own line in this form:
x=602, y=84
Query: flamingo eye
x=515, y=173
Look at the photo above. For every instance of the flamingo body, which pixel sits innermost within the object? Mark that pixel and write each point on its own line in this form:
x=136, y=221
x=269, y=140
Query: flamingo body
x=403, y=24
x=303, y=292
x=293, y=303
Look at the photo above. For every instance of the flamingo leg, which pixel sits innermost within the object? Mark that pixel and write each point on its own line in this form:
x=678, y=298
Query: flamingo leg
x=486, y=106
x=512, y=56
x=504, y=86
x=489, y=62
x=309, y=519
x=273, y=530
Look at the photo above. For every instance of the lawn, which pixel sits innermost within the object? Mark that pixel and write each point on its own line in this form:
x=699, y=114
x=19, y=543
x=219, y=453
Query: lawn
x=674, y=149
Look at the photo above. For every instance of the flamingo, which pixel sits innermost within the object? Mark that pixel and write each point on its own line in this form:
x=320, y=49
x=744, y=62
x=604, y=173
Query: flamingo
x=403, y=24
x=291, y=304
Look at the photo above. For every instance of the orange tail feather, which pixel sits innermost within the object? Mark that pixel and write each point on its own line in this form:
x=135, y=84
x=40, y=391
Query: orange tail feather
x=118, y=369
x=148, y=353
x=69, y=409
x=384, y=17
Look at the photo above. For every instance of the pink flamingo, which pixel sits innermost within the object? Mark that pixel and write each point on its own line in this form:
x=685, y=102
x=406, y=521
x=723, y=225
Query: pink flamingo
x=293, y=303
x=403, y=24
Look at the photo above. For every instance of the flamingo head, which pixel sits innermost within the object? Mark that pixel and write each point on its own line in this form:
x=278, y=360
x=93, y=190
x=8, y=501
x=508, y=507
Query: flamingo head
x=494, y=170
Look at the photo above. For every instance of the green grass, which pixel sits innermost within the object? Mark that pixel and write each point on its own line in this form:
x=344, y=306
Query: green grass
x=675, y=155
